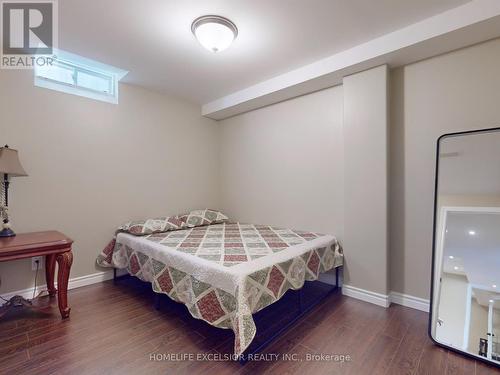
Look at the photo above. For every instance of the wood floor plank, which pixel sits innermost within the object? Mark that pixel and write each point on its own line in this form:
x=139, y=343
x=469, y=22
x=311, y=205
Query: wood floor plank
x=43, y=349
x=142, y=340
x=13, y=360
x=408, y=354
x=344, y=341
x=114, y=329
x=378, y=357
x=94, y=347
x=413, y=340
x=485, y=369
x=401, y=320
x=432, y=360
x=459, y=365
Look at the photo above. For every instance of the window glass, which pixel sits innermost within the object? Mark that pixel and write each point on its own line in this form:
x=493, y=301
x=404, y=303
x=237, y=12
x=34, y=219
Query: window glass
x=77, y=75
x=96, y=82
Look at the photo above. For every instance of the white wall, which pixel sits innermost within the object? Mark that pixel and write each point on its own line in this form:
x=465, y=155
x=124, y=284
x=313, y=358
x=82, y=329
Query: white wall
x=283, y=164
x=94, y=165
x=451, y=310
x=496, y=322
x=453, y=92
x=478, y=326
x=366, y=173
x=449, y=93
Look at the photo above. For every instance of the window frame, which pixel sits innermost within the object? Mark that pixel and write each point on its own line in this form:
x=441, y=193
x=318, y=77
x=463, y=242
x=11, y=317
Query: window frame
x=77, y=65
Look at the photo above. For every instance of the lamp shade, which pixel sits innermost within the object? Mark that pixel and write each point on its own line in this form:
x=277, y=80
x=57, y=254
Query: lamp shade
x=10, y=164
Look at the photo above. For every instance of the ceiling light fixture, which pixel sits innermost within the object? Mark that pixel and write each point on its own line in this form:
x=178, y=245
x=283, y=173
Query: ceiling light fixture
x=451, y=257
x=455, y=268
x=491, y=301
x=472, y=233
x=494, y=286
x=215, y=33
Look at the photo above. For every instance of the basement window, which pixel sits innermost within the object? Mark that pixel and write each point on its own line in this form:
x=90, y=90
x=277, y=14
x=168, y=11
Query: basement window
x=73, y=74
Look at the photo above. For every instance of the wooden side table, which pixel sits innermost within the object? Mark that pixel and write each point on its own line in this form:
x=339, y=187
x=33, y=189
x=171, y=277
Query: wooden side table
x=56, y=247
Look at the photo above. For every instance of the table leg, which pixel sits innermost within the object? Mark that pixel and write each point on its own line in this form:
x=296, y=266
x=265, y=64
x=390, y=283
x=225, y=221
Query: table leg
x=64, y=261
x=50, y=268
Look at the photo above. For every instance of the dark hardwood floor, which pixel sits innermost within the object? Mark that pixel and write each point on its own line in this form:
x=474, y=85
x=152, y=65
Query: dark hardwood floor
x=113, y=329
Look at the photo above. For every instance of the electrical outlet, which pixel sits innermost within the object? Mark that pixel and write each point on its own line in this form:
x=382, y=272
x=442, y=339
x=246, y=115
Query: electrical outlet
x=34, y=261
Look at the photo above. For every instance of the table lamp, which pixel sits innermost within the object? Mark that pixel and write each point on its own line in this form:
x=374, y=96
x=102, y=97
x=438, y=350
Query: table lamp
x=10, y=166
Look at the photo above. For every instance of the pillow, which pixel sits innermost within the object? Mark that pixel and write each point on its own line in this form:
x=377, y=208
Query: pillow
x=149, y=226
x=198, y=218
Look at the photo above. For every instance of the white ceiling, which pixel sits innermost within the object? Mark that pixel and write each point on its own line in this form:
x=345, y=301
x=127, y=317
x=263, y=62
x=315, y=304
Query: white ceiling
x=152, y=39
x=470, y=164
x=484, y=296
x=477, y=256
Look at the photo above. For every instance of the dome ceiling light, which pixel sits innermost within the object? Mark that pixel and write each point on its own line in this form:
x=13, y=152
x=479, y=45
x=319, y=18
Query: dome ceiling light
x=215, y=33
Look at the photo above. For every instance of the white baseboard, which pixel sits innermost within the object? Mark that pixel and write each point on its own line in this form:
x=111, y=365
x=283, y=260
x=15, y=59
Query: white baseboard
x=386, y=300
x=410, y=301
x=73, y=283
x=347, y=290
x=366, y=295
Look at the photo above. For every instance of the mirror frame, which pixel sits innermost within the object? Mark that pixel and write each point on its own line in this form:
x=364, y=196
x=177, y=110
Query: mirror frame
x=434, y=239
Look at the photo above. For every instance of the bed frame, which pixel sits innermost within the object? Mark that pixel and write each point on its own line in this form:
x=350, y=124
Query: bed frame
x=302, y=310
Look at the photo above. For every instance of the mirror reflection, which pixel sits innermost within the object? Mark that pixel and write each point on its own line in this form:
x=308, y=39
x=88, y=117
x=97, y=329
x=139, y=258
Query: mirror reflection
x=466, y=290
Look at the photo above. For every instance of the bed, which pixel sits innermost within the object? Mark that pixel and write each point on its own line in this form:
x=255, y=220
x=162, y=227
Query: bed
x=225, y=272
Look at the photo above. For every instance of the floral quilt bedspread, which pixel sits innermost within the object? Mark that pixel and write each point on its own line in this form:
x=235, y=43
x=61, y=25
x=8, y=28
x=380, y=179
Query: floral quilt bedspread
x=225, y=272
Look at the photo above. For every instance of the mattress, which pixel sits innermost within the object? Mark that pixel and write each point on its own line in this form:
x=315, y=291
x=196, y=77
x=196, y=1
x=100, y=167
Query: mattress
x=226, y=272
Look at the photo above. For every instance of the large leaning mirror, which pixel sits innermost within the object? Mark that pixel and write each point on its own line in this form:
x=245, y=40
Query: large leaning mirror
x=465, y=297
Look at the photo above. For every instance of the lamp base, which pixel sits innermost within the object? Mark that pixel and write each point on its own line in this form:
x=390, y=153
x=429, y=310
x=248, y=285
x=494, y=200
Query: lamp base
x=7, y=232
